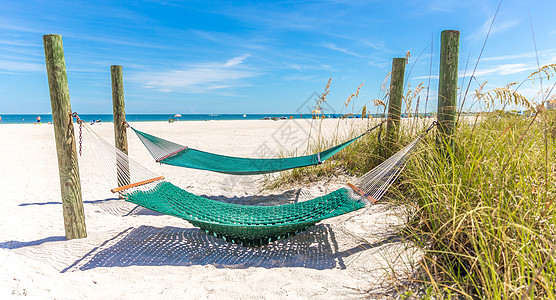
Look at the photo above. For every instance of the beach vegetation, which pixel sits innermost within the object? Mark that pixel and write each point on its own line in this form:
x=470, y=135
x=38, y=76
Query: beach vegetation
x=482, y=206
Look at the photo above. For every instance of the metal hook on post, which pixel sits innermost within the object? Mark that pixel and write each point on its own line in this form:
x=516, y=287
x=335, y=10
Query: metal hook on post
x=430, y=127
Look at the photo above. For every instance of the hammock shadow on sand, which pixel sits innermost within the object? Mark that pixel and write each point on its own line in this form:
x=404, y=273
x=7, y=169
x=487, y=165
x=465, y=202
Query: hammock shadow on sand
x=315, y=248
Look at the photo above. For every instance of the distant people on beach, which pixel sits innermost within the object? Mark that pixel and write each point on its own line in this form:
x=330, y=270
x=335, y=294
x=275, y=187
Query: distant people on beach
x=0, y=118
x=38, y=119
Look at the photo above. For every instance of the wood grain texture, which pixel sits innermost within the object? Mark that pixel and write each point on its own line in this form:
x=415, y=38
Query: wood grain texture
x=395, y=104
x=132, y=185
x=70, y=184
x=120, y=133
x=448, y=82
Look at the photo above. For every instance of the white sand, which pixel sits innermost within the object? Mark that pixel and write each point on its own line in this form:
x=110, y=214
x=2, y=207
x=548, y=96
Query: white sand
x=133, y=253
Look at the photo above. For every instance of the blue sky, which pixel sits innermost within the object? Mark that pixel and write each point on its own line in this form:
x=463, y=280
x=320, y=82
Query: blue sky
x=251, y=57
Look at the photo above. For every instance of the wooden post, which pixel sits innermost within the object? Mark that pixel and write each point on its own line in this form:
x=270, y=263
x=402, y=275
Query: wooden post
x=120, y=133
x=70, y=184
x=395, y=103
x=448, y=82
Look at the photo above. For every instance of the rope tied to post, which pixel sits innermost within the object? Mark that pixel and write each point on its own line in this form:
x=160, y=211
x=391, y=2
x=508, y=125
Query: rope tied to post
x=373, y=128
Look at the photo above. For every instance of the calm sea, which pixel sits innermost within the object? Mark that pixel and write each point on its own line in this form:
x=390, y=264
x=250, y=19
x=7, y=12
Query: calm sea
x=28, y=118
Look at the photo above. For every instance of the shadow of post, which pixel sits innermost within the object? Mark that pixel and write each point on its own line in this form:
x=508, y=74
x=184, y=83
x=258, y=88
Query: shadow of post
x=17, y=244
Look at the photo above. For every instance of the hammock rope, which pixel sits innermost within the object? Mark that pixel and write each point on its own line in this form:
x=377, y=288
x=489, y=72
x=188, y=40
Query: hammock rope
x=245, y=224
x=118, y=169
x=170, y=153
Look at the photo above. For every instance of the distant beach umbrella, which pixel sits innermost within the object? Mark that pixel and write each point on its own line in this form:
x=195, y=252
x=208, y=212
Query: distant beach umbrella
x=177, y=116
x=316, y=111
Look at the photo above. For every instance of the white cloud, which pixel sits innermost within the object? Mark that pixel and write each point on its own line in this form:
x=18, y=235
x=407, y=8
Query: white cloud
x=540, y=54
x=497, y=27
x=504, y=69
x=20, y=66
x=439, y=8
x=19, y=43
x=509, y=57
x=380, y=63
x=343, y=50
x=236, y=60
x=377, y=45
x=116, y=40
x=300, y=77
x=426, y=77
x=296, y=67
x=13, y=27
x=200, y=78
x=380, y=46
x=307, y=67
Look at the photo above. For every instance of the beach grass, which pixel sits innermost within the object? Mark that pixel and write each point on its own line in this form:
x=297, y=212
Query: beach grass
x=483, y=203
x=486, y=215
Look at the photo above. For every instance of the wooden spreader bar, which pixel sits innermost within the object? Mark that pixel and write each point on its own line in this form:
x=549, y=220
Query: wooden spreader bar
x=362, y=193
x=171, y=154
x=132, y=185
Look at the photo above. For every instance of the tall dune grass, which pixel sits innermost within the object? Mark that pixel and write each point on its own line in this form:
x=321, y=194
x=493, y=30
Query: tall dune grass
x=485, y=205
x=486, y=216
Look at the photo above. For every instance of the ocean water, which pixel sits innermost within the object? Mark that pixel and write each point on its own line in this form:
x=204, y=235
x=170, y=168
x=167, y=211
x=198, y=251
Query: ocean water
x=31, y=118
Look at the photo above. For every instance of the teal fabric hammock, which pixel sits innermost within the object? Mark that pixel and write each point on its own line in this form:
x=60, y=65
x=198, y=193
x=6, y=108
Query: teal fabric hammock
x=244, y=224
x=166, y=152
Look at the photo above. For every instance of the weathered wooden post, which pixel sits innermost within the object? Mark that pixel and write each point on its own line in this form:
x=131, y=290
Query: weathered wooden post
x=448, y=83
x=120, y=133
x=70, y=184
x=395, y=103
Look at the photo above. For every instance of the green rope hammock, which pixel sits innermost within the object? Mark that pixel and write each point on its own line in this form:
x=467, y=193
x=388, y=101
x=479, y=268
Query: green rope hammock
x=244, y=224
x=166, y=152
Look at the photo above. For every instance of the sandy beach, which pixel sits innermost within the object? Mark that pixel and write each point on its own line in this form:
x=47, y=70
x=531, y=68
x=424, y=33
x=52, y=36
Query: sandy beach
x=135, y=253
